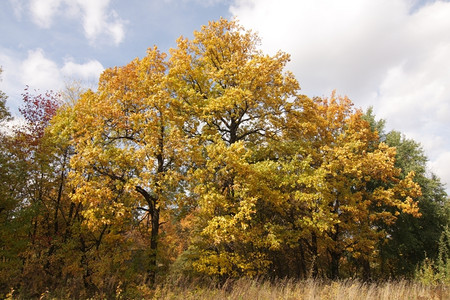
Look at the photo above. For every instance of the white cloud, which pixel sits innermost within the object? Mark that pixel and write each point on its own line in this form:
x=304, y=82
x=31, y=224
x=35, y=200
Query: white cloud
x=87, y=72
x=440, y=167
x=41, y=73
x=45, y=74
x=389, y=54
x=10, y=77
x=43, y=11
x=333, y=43
x=99, y=22
x=417, y=91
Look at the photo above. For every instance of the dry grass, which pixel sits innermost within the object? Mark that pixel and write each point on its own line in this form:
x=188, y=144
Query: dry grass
x=304, y=290
x=244, y=289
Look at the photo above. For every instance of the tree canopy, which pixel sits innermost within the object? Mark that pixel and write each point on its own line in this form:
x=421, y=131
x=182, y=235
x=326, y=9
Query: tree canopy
x=208, y=161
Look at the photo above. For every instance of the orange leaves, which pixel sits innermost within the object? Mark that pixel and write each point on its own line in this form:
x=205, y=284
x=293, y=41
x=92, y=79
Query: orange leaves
x=219, y=132
x=129, y=146
x=356, y=184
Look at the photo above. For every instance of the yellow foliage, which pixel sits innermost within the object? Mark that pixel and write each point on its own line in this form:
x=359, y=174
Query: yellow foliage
x=220, y=128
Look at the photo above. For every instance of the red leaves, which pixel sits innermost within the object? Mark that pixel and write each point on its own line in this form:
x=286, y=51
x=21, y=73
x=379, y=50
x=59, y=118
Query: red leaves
x=38, y=110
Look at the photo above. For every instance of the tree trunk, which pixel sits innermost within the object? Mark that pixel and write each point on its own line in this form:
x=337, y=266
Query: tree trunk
x=153, y=247
x=154, y=213
x=60, y=194
x=301, y=273
x=366, y=273
x=335, y=254
x=314, y=252
x=335, y=257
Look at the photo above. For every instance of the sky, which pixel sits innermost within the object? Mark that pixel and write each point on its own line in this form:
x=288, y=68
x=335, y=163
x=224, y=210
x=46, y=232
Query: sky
x=393, y=55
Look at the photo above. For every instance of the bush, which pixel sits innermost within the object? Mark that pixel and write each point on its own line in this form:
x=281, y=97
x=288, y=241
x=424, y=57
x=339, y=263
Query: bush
x=438, y=271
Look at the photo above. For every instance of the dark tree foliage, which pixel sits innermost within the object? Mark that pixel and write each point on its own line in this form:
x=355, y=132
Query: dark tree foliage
x=411, y=239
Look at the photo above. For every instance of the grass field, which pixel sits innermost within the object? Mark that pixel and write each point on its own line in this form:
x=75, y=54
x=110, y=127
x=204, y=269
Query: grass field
x=307, y=290
x=248, y=289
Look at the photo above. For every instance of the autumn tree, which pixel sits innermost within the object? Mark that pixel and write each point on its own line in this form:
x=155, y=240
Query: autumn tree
x=129, y=153
x=33, y=180
x=326, y=166
x=208, y=162
x=234, y=94
x=42, y=225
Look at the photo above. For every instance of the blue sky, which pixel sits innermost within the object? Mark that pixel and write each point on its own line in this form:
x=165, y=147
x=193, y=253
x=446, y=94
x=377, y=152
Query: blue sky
x=393, y=55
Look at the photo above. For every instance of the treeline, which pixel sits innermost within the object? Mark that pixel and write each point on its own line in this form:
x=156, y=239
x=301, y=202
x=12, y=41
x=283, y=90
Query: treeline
x=207, y=162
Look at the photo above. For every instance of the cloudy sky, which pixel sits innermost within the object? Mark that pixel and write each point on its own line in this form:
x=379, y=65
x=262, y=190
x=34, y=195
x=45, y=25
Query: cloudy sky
x=393, y=55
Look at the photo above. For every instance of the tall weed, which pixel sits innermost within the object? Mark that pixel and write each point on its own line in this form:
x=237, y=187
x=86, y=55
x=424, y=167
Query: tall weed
x=437, y=272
